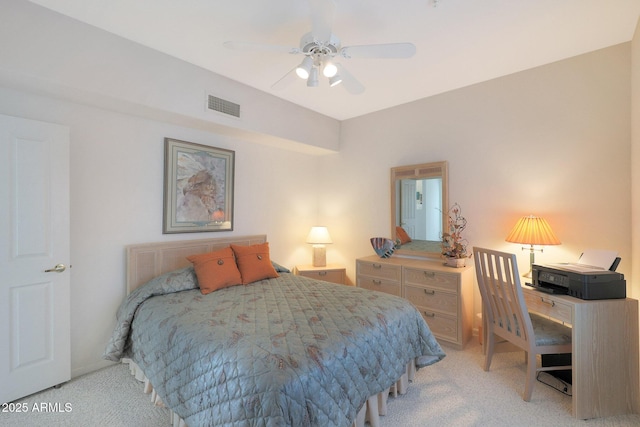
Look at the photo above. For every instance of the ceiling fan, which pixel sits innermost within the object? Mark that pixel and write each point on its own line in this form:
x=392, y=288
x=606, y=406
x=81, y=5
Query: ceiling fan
x=321, y=48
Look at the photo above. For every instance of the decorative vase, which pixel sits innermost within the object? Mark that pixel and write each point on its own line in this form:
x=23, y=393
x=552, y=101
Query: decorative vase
x=384, y=247
x=455, y=262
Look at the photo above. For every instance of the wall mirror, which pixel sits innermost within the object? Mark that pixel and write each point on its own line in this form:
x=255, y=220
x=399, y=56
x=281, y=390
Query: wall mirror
x=419, y=204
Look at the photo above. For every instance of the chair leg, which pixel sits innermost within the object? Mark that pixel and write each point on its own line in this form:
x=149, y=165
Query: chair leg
x=489, y=347
x=531, y=375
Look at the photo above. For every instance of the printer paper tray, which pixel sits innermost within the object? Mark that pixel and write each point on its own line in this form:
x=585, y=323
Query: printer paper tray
x=550, y=289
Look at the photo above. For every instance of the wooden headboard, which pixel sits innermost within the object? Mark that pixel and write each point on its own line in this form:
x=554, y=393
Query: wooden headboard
x=148, y=260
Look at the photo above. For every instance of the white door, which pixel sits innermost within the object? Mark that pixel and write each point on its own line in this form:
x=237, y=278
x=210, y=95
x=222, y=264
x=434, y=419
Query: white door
x=408, y=207
x=34, y=236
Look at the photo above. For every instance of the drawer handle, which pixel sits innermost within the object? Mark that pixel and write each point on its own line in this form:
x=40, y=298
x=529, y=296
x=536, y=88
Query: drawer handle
x=322, y=273
x=377, y=265
x=429, y=291
x=429, y=274
x=376, y=282
x=551, y=303
x=426, y=313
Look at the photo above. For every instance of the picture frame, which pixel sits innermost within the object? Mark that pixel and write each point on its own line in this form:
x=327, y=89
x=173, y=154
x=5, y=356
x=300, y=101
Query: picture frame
x=198, y=187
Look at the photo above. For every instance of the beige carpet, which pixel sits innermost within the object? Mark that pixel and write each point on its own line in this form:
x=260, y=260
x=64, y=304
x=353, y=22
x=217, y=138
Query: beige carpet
x=454, y=392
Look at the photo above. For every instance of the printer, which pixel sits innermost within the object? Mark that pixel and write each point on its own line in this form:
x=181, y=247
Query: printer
x=580, y=281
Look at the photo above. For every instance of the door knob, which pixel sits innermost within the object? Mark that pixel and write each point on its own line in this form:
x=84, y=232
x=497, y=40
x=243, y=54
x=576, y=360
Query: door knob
x=59, y=268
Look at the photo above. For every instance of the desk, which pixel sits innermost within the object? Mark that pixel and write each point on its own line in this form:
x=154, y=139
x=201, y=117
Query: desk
x=605, y=377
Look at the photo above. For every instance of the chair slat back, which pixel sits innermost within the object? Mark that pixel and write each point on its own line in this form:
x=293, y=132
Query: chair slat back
x=502, y=298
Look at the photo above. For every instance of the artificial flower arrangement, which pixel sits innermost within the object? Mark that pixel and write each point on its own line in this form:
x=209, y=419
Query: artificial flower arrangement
x=453, y=244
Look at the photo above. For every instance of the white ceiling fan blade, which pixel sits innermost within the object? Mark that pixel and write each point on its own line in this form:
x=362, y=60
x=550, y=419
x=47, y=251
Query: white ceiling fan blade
x=286, y=80
x=322, y=12
x=350, y=83
x=260, y=47
x=389, y=50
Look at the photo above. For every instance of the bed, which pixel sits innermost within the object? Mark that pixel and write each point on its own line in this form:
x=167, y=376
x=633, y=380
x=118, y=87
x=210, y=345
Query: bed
x=283, y=351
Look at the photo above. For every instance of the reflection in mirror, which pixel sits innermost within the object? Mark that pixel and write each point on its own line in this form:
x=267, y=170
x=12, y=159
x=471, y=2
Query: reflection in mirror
x=419, y=202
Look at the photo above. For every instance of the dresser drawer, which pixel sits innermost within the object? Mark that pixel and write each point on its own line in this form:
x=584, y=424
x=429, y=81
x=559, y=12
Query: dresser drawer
x=380, y=270
x=432, y=279
x=430, y=298
x=547, y=305
x=442, y=325
x=382, y=285
x=334, y=276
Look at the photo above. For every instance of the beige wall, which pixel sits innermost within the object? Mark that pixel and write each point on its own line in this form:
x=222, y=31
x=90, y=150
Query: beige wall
x=552, y=141
x=48, y=53
x=635, y=158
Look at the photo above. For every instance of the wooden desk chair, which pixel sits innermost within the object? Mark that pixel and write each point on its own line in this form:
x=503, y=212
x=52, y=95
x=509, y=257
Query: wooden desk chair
x=506, y=315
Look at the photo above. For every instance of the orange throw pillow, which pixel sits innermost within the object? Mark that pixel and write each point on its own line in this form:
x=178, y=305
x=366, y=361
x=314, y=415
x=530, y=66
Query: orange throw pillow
x=402, y=235
x=216, y=270
x=254, y=262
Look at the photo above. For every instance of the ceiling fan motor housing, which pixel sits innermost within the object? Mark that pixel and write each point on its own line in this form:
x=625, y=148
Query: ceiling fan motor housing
x=310, y=46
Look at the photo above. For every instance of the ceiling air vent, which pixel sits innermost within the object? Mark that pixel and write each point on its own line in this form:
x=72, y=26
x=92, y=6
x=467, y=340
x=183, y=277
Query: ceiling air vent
x=223, y=106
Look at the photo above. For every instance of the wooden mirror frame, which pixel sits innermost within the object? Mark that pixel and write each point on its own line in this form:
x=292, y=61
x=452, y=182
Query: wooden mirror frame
x=419, y=171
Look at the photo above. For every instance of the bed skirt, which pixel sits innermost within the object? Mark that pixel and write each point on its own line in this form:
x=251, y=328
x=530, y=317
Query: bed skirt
x=371, y=411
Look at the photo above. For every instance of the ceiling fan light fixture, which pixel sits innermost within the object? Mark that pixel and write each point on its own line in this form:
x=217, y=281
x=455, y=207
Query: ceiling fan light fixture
x=320, y=47
x=329, y=69
x=304, y=69
x=335, y=80
x=312, y=81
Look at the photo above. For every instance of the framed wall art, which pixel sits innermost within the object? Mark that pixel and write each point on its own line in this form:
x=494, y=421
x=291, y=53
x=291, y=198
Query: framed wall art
x=198, y=187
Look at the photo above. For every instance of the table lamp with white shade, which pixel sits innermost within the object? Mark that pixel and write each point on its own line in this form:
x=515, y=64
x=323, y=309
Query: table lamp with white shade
x=319, y=237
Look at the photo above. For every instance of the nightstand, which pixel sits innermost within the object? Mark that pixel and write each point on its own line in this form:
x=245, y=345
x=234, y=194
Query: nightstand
x=330, y=273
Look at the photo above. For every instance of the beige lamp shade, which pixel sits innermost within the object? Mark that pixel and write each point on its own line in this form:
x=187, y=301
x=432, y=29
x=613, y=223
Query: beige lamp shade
x=532, y=230
x=318, y=237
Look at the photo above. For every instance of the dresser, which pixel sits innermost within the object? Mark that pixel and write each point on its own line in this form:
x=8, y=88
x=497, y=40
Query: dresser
x=443, y=295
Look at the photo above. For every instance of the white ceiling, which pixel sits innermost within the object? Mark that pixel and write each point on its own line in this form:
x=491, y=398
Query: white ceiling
x=459, y=42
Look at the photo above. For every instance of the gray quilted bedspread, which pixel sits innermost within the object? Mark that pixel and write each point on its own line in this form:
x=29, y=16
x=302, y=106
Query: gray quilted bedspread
x=280, y=352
